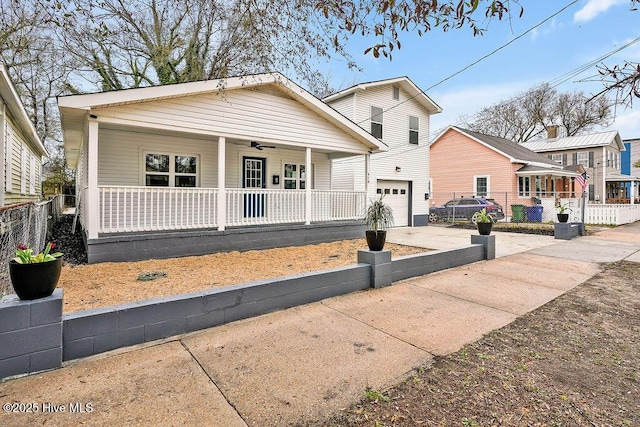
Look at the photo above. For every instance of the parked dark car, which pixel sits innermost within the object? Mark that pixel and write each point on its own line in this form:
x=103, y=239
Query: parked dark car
x=464, y=208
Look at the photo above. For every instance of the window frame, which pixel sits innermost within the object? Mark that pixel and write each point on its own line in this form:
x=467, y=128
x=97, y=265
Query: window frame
x=298, y=179
x=377, y=126
x=524, y=186
x=475, y=185
x=171, y=174
x=415, y=131
x=584, y=161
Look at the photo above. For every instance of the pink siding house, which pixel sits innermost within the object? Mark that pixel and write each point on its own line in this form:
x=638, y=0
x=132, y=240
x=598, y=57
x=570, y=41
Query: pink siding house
x=471, y=164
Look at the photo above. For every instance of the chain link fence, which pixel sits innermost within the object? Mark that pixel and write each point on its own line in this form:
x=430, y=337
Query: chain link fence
x=27, y=223
x=505, y=207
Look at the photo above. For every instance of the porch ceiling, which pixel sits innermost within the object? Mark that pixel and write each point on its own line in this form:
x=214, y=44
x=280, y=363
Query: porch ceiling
x=617, y=177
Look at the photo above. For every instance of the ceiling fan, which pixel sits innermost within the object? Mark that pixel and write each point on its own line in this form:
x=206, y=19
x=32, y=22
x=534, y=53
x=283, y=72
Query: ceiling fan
x=257, y=145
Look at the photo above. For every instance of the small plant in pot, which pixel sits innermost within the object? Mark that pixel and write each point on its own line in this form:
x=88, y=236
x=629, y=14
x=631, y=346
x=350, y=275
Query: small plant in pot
x=484, y=222
x=35, y=276
x=378, y=218
x=562, y=214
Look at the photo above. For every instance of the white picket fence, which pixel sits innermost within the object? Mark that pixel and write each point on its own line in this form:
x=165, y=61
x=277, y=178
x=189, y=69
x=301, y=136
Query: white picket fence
x=597, y=214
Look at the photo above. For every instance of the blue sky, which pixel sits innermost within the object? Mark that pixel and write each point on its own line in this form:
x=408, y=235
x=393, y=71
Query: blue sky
x=583, y=32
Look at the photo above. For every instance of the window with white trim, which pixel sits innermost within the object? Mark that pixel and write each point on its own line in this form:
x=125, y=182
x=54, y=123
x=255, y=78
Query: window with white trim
x=295, y=176
x=557, y=158
x=376, y=121
x=170, y=170
x=396, y=93
x=583, y=159
x=524, y=186
x=414, y=129
x=481, y=186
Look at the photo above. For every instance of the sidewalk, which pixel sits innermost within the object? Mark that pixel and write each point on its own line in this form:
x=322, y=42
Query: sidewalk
x=308, y=362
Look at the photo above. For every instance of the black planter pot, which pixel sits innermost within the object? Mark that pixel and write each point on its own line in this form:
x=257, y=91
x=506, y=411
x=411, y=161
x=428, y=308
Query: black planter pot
x=376, y=239
x=484, y=228
x=37, y=280
x=563, y=217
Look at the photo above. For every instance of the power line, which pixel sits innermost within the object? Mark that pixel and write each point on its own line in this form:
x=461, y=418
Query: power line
x=423, y=92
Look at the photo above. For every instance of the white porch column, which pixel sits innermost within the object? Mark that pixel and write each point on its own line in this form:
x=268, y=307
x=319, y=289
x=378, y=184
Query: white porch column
x=307, y=187
x=92, y=196
x=632, y=193
x=221, y=214
x=367, y=168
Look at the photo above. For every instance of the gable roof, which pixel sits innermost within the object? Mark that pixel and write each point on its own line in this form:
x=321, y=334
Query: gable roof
x=75, y=108
x=11, y=99
x=404, y=82
x=516, y=153
x=600, y=139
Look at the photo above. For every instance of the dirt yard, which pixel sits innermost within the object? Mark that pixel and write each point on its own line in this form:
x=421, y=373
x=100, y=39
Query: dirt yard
x=573, y=362
x=98, y=285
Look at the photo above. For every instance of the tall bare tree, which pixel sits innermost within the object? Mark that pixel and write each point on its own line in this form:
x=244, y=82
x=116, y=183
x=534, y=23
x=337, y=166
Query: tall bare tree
x=529, y=114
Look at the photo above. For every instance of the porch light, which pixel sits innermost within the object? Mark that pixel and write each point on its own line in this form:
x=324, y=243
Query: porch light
x=398, y=169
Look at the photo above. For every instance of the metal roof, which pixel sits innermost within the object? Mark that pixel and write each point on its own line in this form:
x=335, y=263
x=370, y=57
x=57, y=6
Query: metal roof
x=574, y=142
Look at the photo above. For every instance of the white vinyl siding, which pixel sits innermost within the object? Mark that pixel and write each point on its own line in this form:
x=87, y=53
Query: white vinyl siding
x=32, y=175
x=412, y=159
x=274, y=119
x=120, y=155
x=120, y=161
x=8, y=159
x=24, y=156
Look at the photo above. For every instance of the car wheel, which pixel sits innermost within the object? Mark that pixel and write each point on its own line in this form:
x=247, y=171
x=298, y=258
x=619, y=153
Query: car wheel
x=433, y=217
x=474, y=218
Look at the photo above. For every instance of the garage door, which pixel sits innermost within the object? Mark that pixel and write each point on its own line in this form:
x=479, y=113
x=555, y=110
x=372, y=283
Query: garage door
x=396, y=195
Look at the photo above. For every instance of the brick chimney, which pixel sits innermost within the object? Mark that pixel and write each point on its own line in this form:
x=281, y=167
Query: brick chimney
x=552, y=131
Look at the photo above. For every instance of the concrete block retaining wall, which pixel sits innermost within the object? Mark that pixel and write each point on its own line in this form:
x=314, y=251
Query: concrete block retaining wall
x=35, y=336
x=30, y=334
x=128, y=247
x=95, y=331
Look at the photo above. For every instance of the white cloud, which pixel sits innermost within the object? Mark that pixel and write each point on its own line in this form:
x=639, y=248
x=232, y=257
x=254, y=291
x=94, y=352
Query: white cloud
x=467, y=101
x=595, y=7
x=627, y=124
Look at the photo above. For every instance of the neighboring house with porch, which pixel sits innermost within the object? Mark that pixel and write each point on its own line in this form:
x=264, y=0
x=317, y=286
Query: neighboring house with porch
x=472, y=164
x=396, y=112
x=193, y=168
x=630, y=157
x=22, y=150
x=600, y=154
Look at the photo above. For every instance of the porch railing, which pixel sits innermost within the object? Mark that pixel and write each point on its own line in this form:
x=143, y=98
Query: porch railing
x=130, y=209
x=125, y=209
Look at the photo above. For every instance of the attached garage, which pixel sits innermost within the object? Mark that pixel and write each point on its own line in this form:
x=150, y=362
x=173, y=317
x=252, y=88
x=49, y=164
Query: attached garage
x=397, y=196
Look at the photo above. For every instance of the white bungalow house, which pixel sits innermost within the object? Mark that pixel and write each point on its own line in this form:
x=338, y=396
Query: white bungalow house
x=397, y=112
x=21, y=148
x=193, y=168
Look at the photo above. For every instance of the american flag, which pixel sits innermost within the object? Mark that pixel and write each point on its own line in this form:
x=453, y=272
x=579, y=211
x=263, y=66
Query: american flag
x=582, y=180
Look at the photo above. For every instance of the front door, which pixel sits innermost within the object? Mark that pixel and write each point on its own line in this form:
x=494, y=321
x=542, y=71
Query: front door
x=254, y=176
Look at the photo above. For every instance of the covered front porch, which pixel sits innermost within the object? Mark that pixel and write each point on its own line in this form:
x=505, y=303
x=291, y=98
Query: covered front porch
x=192, y=168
